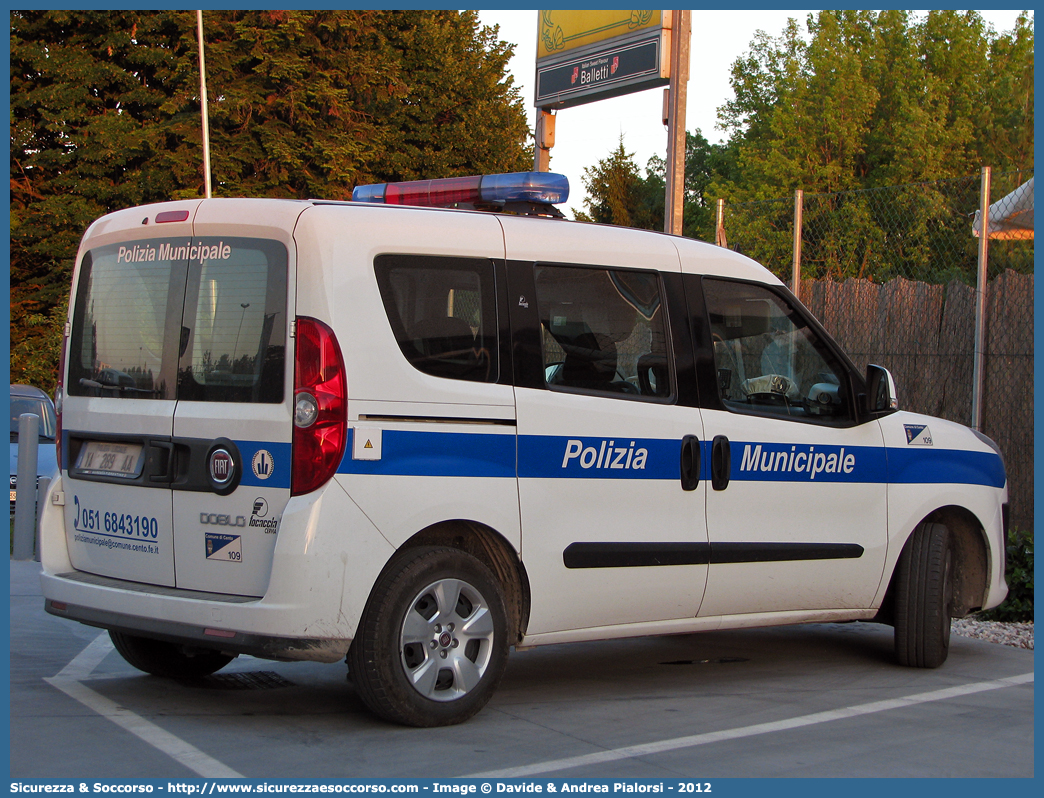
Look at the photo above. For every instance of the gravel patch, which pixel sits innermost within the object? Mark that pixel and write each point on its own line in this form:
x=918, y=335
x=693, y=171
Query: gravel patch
x=1019, y=635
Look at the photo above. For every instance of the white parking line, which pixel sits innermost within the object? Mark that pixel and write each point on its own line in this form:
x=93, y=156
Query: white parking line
x=632, y=751
x=69, y=681
x=87, y=660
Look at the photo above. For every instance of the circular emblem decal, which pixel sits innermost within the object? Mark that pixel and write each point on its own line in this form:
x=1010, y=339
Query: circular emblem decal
x=260, y=507
x=262, y=464
x=221, y=466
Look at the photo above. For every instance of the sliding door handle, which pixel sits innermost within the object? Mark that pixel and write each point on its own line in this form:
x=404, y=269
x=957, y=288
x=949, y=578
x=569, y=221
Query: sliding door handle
x=690, y=462
x=721, y=462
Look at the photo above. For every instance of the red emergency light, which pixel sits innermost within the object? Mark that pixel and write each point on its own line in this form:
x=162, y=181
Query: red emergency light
x=494, y=192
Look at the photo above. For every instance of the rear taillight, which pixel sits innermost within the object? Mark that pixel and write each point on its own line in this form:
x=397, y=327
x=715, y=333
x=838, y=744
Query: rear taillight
x=59, y=400
x=320, y=407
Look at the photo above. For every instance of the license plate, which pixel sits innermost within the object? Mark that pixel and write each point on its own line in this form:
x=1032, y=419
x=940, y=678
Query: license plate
x=102, y=458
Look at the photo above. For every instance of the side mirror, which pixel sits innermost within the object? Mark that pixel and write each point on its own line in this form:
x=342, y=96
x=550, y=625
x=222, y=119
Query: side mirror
x=880, y=390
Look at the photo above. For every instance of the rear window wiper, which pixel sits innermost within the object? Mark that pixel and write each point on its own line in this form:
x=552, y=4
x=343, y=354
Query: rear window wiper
x=86, y=383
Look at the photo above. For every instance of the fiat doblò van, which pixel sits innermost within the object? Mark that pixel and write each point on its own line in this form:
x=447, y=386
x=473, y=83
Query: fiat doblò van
x=416, y=436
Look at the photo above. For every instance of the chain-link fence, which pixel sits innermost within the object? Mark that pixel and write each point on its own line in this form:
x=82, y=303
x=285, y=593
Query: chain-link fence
x=892, y=273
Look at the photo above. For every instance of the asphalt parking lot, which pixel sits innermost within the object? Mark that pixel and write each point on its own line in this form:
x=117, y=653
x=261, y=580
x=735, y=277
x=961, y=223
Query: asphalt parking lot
x=812, y=701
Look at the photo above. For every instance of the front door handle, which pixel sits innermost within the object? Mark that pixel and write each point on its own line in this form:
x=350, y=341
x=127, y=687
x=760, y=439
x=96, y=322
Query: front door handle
x=721, y=462
x=690, y=462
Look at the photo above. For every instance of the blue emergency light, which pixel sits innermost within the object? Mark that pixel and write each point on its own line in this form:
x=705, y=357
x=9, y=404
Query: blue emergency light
x=495, y=191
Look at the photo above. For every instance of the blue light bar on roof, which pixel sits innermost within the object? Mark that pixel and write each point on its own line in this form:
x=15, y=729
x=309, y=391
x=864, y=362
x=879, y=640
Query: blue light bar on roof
x=535, y=187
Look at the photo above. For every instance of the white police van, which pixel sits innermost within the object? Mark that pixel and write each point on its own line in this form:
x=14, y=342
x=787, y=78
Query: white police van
x=417, y=436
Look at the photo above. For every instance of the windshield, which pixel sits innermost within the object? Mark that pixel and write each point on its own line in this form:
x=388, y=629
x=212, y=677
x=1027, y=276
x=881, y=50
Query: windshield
x=38, y=407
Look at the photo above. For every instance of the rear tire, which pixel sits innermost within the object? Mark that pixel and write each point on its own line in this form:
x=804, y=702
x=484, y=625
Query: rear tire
x=168, y=660
x=922, y=599
x=432, y=644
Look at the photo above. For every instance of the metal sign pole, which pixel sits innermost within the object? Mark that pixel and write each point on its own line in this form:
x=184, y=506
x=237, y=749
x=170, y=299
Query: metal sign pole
x=674, y=201
x=544, y=140
x=978, y=366
x=799, y=213
x=203, y=107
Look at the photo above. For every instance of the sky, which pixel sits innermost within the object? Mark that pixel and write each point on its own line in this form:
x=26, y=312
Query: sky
x=587, y=133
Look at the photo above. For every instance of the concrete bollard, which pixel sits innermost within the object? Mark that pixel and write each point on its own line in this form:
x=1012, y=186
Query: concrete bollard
x=25, y=499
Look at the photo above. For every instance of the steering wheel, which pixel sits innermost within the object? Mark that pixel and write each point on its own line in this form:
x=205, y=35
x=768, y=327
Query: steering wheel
x=623, y=386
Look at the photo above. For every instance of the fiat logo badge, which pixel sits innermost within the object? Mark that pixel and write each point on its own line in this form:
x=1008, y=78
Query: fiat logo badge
x=221, y=466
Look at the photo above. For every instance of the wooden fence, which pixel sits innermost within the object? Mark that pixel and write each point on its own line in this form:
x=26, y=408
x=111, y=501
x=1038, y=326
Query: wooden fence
x=924, y=335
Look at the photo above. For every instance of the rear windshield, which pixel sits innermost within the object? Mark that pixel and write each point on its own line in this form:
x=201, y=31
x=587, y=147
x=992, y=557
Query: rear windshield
x=200, y=319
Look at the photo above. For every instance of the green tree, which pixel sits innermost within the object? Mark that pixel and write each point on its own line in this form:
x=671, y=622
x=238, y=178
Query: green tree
x=461, y=113
x=311, y=103
x=289, y=92
x=878, y=99
x=105, y=115
x=96, y=124
x=704, y=162
x=617, y=193
x=869, y=100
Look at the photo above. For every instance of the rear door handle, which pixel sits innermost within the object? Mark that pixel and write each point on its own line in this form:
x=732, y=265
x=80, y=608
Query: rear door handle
x=721, y=462
x=690, y=462
x=161, y=461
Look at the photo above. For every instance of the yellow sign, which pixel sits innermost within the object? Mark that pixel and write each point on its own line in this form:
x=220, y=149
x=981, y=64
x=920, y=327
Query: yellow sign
x=561, y=31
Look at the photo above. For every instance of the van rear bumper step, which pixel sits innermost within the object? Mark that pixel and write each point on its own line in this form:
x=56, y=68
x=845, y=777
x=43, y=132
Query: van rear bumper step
x=264, y=646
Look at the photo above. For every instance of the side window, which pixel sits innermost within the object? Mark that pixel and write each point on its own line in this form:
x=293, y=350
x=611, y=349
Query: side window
x=768, y=360
x=603, y=330
x=443, y=314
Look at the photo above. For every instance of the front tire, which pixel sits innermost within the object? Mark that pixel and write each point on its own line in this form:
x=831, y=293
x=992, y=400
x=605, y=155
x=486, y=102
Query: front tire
x=432, y=644
x=924, y=585
x=168, y=660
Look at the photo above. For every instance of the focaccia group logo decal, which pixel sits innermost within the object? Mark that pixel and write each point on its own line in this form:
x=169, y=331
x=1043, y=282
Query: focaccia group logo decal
x=918, y=434
x=257, y=517
x=262, y=464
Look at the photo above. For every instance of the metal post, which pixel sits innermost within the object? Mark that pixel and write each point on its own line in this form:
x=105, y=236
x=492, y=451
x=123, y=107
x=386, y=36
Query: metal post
x=203, y=107
x=799, y=212
x=719, y=225
x=25, y=498
x=544, y=140
x=978, y=359
x=674, y=201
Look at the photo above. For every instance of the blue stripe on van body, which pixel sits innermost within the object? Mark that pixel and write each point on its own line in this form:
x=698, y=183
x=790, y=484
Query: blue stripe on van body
x=462, y=454
x=803, y=462
x=927, y=465
x=436, y=454
x=558, y=457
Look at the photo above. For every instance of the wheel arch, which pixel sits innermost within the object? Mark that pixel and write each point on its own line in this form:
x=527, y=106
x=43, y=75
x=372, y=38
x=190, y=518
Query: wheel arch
x=971, y=555
x=495, y=552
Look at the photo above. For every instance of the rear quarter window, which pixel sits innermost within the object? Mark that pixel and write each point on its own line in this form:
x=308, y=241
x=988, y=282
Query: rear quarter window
x=442, y=312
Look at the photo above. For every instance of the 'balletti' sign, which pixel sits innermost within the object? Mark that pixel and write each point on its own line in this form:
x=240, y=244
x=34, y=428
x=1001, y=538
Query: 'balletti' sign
x=583, y=56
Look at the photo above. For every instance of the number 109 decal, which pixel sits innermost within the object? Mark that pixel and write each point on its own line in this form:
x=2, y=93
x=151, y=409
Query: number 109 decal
x=227, y=548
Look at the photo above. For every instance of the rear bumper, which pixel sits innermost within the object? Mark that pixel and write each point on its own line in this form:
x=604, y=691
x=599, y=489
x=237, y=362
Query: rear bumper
x=231, y=641
x=318, y=587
